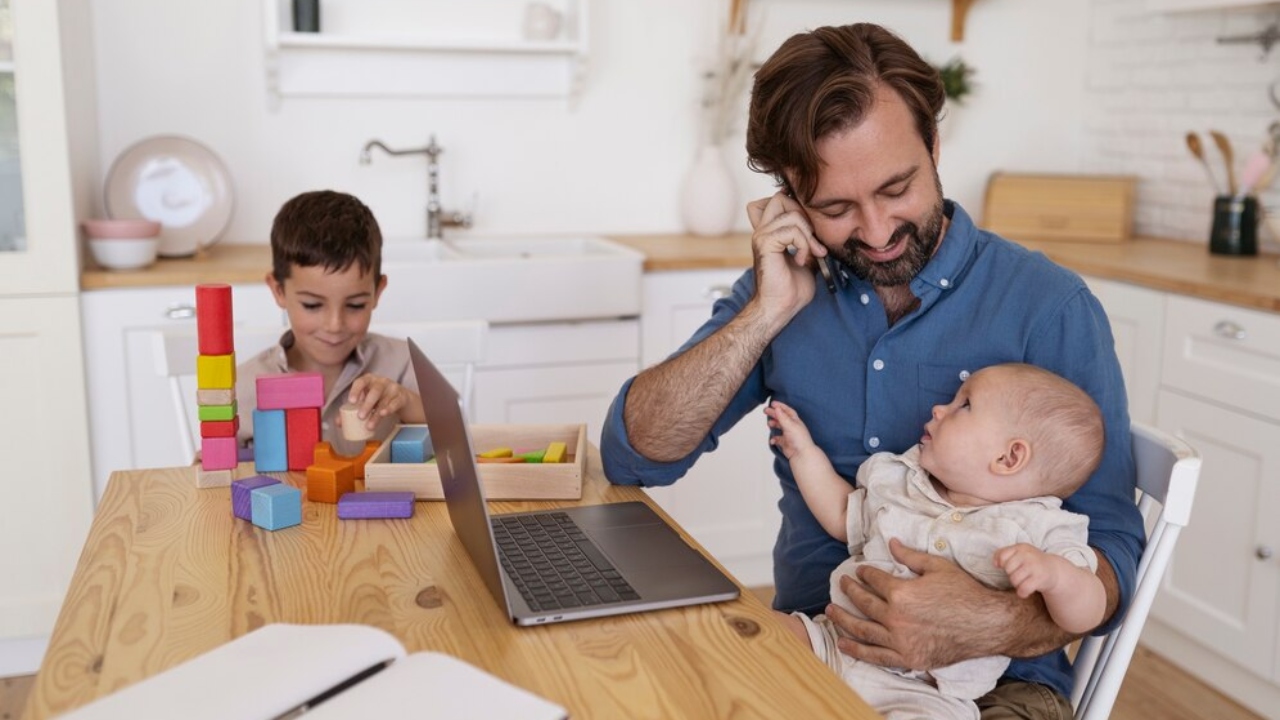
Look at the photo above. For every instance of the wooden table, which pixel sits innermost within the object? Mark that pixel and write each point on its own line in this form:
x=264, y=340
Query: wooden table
x=168, y=573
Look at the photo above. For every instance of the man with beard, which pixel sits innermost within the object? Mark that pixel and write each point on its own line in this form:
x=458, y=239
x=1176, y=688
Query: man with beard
x=845, y=120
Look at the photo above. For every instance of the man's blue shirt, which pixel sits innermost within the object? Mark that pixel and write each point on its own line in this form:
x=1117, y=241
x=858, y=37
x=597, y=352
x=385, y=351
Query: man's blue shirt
x=863, y=387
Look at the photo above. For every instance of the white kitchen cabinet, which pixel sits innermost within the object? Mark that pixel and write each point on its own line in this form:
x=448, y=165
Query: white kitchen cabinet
x=1218, y=613
x=132, y=416
x=728, y=499
x=551, y=373
x=1137, y=323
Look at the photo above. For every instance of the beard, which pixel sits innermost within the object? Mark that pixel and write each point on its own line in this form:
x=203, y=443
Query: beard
x=921, y=238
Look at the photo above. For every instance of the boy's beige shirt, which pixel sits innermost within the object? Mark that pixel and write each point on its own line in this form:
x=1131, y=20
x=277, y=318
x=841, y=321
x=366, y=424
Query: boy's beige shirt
x=376, y=355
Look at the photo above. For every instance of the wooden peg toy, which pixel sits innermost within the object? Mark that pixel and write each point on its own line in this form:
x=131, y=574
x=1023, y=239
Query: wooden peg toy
x=353, y=428
x=214, y=325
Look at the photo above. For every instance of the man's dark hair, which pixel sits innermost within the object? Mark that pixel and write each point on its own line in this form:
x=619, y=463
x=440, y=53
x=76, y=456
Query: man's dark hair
x=325, y=228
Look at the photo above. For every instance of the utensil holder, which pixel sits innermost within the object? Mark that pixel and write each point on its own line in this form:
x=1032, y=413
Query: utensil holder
x=1235, y=225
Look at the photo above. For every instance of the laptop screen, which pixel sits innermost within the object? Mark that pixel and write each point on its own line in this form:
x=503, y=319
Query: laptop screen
x=459, y=476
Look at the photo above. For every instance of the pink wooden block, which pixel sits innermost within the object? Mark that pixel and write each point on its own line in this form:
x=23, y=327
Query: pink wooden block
x=287, y=391
x=218, y=453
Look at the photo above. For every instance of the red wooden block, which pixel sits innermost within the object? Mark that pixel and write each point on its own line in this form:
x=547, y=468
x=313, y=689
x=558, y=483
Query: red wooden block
x=286, y=391
x=302, y=429
x=324, y=453
x=213, y=319
x=220, y=428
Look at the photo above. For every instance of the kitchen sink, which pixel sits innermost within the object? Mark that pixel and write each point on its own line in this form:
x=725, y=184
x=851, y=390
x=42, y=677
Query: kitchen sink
x=509, y=279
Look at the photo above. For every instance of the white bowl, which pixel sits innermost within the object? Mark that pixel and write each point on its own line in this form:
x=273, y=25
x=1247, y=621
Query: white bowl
x=124, y=253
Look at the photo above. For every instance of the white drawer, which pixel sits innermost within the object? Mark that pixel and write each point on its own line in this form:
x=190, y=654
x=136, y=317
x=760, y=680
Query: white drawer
x=1226, y=354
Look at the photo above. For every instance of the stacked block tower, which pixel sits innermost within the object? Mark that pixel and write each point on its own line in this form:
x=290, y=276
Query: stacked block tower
x=286, y=422
x=216, y=386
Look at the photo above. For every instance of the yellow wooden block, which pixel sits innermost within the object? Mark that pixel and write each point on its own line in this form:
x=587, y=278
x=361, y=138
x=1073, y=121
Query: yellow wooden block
x=502, y=452
x=555, y=453
x=215, y=372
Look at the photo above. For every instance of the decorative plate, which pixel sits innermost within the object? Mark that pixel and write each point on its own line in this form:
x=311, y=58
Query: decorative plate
x=177, y=182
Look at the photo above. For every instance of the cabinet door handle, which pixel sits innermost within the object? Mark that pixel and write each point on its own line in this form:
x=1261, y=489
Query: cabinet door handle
x=180, y=311
x=1263, y=552
x=1229, y=330
x=716, y=292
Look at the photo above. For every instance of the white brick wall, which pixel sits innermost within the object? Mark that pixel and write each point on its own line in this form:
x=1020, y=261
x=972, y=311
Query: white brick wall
x=1152, y=77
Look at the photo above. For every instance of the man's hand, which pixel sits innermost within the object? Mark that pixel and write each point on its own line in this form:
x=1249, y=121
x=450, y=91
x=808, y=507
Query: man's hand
x=939, y=618
x=782, y=244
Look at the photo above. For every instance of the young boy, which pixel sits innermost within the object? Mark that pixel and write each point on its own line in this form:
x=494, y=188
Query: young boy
x=326, y=255
x=984, y=488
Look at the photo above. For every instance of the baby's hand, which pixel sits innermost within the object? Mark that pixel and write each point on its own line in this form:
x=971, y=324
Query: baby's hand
x=793, y=437
x=376, y=397
x=1030, y=569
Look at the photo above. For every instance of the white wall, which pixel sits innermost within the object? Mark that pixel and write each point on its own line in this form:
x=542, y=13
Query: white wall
x=1151, y=78
x=612, y=164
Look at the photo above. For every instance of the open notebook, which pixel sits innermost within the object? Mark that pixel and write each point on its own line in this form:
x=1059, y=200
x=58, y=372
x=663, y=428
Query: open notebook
x=319, y=672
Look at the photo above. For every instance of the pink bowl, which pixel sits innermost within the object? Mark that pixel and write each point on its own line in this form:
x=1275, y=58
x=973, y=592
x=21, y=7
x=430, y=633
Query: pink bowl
x=129, y=229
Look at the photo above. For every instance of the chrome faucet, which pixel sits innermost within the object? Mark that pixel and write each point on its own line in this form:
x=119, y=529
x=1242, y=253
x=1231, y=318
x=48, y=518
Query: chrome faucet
x=437, y=217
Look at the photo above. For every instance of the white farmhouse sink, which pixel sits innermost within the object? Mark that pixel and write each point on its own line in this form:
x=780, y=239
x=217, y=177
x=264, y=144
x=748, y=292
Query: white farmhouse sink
x=509, y=279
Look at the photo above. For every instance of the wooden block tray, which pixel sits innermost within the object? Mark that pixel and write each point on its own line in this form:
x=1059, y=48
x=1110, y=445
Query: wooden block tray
x=502, y=481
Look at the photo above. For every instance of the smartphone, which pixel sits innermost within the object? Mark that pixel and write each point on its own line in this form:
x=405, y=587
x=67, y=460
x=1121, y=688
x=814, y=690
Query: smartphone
x=823, y=263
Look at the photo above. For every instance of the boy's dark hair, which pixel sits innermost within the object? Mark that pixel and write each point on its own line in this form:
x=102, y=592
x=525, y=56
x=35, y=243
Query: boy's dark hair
x=328, y=229
x=824, y=81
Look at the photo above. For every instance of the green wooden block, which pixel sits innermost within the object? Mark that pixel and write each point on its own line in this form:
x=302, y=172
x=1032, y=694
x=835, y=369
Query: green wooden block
x=534, y=456
x=217, y=412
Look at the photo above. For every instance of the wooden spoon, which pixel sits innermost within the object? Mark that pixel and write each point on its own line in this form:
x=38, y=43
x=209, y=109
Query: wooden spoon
x=1228, y=157
x=1197, y=149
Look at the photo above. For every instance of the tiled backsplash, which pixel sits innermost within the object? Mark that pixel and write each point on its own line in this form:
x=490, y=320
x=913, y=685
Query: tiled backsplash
x=1152, y=77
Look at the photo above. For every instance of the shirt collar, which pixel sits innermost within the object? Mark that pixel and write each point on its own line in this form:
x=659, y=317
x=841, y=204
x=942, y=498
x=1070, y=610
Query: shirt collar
x=946, y=269
x=354, y=366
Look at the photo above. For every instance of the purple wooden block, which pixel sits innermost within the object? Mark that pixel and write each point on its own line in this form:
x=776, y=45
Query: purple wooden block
x=241, y=504
x=244, y=454
x=361, y=505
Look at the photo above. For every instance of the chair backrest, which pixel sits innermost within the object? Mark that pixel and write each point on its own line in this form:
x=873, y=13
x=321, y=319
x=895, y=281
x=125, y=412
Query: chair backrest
x=457, y=347
x=1167, y=472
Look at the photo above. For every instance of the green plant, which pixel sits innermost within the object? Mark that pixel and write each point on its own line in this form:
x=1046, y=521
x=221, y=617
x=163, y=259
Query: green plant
x=957, y=79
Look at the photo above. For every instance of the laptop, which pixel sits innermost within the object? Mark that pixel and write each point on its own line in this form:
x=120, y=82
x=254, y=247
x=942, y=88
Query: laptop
x=599, y=560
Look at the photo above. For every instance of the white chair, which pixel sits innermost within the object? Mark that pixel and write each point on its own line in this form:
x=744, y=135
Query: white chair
x=456, y=346
x=1167, y=472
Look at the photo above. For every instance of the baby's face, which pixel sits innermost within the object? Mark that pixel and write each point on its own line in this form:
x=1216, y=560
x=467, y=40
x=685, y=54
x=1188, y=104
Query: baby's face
x=967, y=436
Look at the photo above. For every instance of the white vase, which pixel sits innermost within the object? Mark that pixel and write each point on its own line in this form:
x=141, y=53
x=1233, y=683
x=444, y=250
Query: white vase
x=709, y=195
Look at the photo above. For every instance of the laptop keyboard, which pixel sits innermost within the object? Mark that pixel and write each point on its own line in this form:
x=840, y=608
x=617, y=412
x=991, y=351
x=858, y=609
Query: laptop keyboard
x=554, y=565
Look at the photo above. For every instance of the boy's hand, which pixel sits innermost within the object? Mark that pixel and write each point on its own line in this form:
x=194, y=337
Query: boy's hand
x=1030, y=570
x=793, y=437
x=378, y=397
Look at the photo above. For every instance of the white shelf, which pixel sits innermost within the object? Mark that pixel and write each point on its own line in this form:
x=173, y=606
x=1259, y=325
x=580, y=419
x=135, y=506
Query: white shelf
x=440, y=64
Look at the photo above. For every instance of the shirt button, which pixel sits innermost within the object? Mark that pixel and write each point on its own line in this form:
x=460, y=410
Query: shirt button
x=874, y=442
x=957, y=517
x=944, y=282
x=964, y=375
x=878, y=364
x=940, y=545
x=864, y=298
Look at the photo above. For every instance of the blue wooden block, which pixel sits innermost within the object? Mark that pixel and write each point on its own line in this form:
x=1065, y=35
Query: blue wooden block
x=361, y=505
x=276, y=506
x=411, y=445
x=241, y=502
x=270, y=441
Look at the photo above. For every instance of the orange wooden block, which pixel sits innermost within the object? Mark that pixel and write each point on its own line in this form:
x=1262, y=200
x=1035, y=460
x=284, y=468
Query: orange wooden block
x=504, y=460
x=324, y=453
x=330, y=480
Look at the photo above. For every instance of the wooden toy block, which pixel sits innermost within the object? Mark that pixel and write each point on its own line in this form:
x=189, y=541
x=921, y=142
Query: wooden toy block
x=241, y=502
x=270, y=441
x=502, y=480
x=275, y=507
x=220, y=428
x=287, y=391
x=497, y=453
x=533, y=456
x=353, y=427
x=217, y=412
x=486, y=461
x=244, y=454
x=214, y=319
x=216, y=372
x=367, y=505
x=411, y=444
x=302, y=426
x=327, y=482
x=216, y=396
x=555, y=453
x=324, y=453
x=218, y=453
x=213, y=478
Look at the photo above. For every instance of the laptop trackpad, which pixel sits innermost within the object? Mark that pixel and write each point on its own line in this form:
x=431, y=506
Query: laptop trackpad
x=633, y=536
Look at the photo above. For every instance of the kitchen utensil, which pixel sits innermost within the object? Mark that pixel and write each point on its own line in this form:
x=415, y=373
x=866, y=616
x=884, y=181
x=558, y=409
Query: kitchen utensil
x=1228, y=158
x=1197, y=148
x=1258, y=165
x=177, y=182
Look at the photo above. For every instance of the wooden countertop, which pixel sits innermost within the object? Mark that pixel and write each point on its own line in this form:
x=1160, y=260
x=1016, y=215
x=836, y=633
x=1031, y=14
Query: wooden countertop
x=168, y=573
x=1160, y=264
